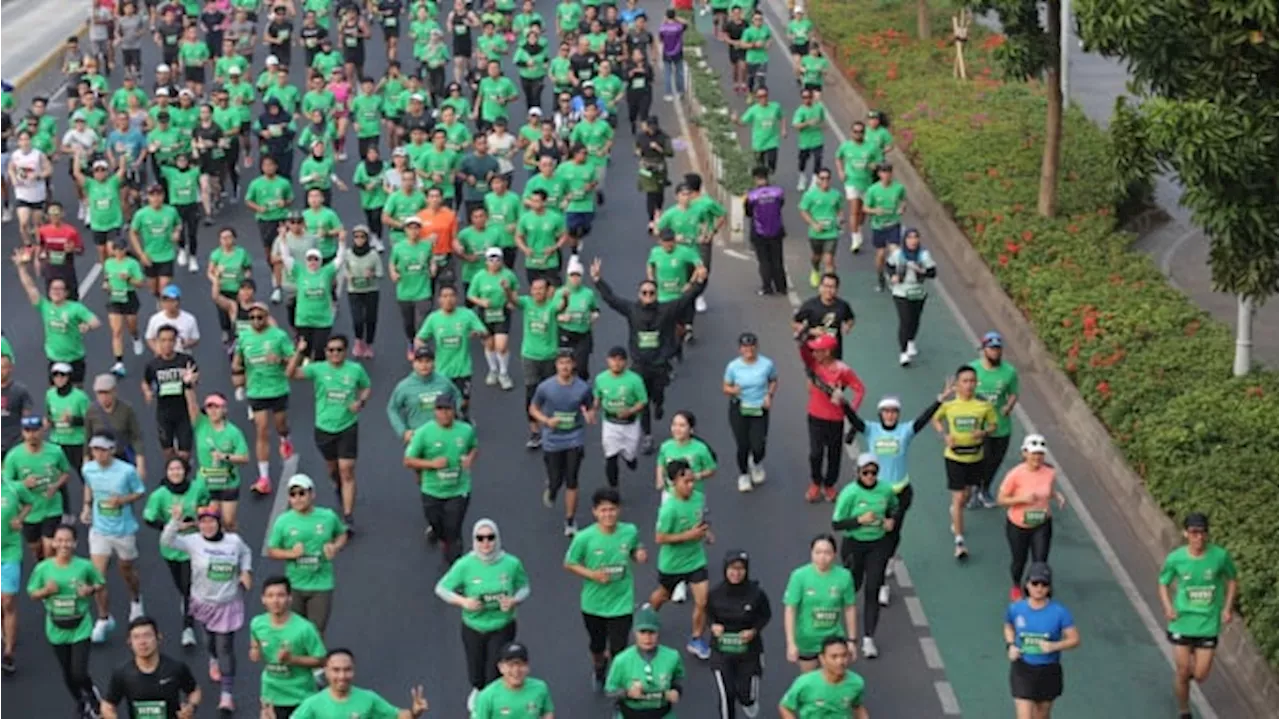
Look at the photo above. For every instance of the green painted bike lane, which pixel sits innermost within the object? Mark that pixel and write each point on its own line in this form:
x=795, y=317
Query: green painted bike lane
x=1117, y=671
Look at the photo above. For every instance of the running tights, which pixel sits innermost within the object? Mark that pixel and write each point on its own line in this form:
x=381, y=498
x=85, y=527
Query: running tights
x=611, y=470
x=993, y=452
x=190, y=215
x=909, y=312
x=749, y=434
x=904, y=503
x=868, y=562
x=563, y=467
x=638, y=104
x=74, y=660
x=655, y=384
x=373, y=218
x=222, y=649
x=481, y=649
x=364, y=315
x=1023, y=541
x=444, y=518
x=737, y=682
x=180, y=571
x=825, y=437
x=317, y=338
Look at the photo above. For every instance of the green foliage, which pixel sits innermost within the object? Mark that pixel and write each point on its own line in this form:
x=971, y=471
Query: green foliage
x=1209, y=82
x=735, y=162
x=1154, y=368
x=1027, y=50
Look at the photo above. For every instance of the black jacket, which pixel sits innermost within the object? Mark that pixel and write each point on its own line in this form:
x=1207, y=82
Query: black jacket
x=653, y=317
x=737, y=607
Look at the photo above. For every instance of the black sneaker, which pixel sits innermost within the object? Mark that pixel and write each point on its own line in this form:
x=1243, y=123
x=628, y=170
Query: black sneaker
x=350, y=521
x=632, y=463
x=534, y=442
x=7, y=665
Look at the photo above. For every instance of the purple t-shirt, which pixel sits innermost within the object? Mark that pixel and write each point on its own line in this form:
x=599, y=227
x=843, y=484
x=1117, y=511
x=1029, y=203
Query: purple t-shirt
x=671, y=32
x=764, y=205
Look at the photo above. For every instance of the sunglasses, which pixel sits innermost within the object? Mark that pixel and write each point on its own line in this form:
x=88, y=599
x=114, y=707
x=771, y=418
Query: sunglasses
x=1037, y=583
x=335, y=350
x=646, y=293
x=298, y=493
x=212, y=405
x=257, y=316
x=313, y=259
x=485, y=537
x=868, y=472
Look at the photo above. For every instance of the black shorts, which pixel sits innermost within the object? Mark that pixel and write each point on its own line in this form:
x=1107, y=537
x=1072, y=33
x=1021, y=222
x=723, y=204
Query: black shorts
x=340, y=445
x=462, y=47
x=77, y=374
x=33, y=532
x=961, y=475
x=886, y=236
x=194, y=74
x=822, y=247
x=128, y=307
x=174, y=429
x=1194, y=643
x=607, y=633
x=813, y=86
x=231, y=494
x=270, y=404
x=159, y=269
x=670, y=581
x=800, y=49
x=464, y=387
x=212, y=166
x=1035, y=682
x=737, y=55
x=499, y=328
x=39, y=206
x=102, y=237
x=389, y=31
x=135, y=178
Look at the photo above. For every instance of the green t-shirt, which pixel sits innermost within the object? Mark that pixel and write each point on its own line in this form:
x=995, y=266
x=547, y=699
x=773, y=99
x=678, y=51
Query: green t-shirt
x=541, y=232
x=431, y=441
x=813, y=70
x=366, y=112
x=66, y=413
x=995, y=386
x=672, y=270
x=766, y=124
x=678, y=515
x=473, y=577
x=709, y=211
x=457, y=135
x=820, y=600
x=155, y=228
x=67, y=616
x=193, y=54
x=13, y=498
x=856, y=158
x=560, y=69
x=615, y=393
x=493, y=47
x=121, y=278
x=880, y=136
x=533, y=66
x=312, y=572
x=412, y=260
x=62, y=339
x=474, y=242
x=504, y=213
x=241, y=95
x=322, y=100
x=809, y=137
x=554, y=186
x=495, y=95
x=1202, y=589
x=656, y=677
x=273, y=194
x=576, y=178
x=440, y=167
x=824, y=206
x=579, y=307
x=488, y=286
x=103, y=197
x=856, y=500
x=184, y=185
x=222, y=66
x=265, y=355
x=46, y=466
x=167, y=143
x=497, y=701
x=360, y=703
x=315, y=304
x=286, y=685
x=811, y=696
x=695, y=452
x=541, y=338
x=686, y=222
x=751, y=35
x=234, y=266
x=449, y=332
x=324, y=223
x=218, y=475
x=595, y=550
x=337, y=388
x=800, y=30
x=373, y=194
x=889, y=199
x=595, y=136
x=316, y=173
x=160, y=502
x=609, y=88
x=399, y=206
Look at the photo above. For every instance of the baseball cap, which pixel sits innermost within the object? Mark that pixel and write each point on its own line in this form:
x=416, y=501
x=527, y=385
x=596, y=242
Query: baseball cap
x=446, y=401
x=60, y=368
x=162, y=92
x=412, y=220
x=101, y=164
x=273, y=60
x=646, y=620
x=162, y=67
x=514, y=651
x=495, y=253
x=617, y=351
x=575, y=265
x=313, y=252
x=667, y=235
x=78, y=116
x=423, y=352
x=215, y=399
x=867, y=458
x=1040, y=572
x=104, y=383
x=400, y=152
x=535, y=112
x=888, y=402
x=102, y=441
x=32, y=422
x=302, y=481
x=171, y=292
x=993, y=339
x=823, y=342
x=1035, y=443
x=233, y=70
x=748, y=339
x=1196, y=520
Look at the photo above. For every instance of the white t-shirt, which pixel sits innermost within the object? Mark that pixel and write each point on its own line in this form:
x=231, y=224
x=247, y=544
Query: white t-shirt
x=30, y=187
x=500, y=146
x=188, y=330
x=81, y=142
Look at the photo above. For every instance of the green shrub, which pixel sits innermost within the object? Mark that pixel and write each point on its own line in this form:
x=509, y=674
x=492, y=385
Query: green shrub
x=735, y=162
x=1155, y=369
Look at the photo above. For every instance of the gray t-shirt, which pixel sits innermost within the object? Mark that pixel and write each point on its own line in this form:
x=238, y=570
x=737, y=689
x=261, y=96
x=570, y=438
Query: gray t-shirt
x=133, y=28
x=479, y=168
x=564, y=402
x=296, y=246
x=15, y=401
x=243, y=33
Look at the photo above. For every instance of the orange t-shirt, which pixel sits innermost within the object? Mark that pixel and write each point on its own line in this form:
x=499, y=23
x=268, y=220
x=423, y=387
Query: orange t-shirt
x=442, y=223
x=1023, y=480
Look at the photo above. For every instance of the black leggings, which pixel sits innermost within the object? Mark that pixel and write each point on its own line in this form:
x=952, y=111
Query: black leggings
x=904, y=504
x=581, y=344
x=655, y=384
x=769, y=159
x=737, y=681
x=190, y=215
x=813, y=152
x=481, y=649
x=224, y=319
x=867, y=561
x=222, y=648
x=825, y=436
x=75, y=457
x=909, y=312
x=993, y=451
x=74, y=660
x=412, y=313
x=770, y=263
x=364, y=315
x=317, y=338
x=562, y=469
x=532, y=91
x=750, y=435
x=445, y=518
x=231, y=168
x=638, y=104
x=267, y=232
x=180, y=571
x=373, y=216
x=1021, y=541
x=653, y=202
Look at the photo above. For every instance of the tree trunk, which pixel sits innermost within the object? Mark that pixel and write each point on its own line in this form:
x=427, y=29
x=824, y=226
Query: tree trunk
x=922, y=19
x=1244, y=337
x=1047, y=204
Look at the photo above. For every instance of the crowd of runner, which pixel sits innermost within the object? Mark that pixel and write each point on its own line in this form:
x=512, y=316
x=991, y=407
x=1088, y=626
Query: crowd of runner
x=467, y=199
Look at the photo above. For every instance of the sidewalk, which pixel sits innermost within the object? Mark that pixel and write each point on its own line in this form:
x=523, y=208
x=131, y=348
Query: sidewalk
x=1178, y=247
x=32, y=29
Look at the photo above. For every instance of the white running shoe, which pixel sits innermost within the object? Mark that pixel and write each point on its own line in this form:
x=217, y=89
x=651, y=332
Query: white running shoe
x=700, y=305
x=505, y=382
x=188, y=637
x=911, y=349
x=100, y=629
x=182, y=256
x=491, y=379
x=669, y=98
x=888, y=568
x=883, y=598
x=802, y=184
x=192, y=265
x=680, y=593
x=137, y=346
x=276, y=295
x=744, y=483
x=471, y=701
x=135, y=609
x=240, y=394
x=570, y=528
x=750, y=711
x=904, y=359
x=377, y=245
x=869, y=649
x=7, y=216
x=757, y=474
x=118, y=369
x=855, y=243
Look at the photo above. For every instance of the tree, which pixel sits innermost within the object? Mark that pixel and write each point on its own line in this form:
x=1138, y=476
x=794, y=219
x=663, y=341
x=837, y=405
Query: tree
x=922, y=19
x=1032, y=49
x=1206, y=77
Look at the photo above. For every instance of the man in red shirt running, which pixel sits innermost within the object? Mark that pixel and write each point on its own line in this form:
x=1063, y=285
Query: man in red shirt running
x=829, y=379
x=59, y=242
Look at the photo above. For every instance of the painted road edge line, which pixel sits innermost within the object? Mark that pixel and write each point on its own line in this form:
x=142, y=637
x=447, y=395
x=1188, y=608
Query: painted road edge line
x=1086, y=518
x=280, y=502
x=947, y=698
x=43, y=65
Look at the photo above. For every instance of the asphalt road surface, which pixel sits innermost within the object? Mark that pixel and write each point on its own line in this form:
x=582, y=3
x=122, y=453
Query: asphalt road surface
x=385, y=609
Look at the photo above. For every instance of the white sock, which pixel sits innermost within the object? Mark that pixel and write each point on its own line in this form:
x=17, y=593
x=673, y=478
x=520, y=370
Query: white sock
x=504, y=363
x=263, y=468
x=492, y=359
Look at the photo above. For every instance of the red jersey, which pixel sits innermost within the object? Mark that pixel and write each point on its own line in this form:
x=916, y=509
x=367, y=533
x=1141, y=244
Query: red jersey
x=59, y=242
x=833, y=375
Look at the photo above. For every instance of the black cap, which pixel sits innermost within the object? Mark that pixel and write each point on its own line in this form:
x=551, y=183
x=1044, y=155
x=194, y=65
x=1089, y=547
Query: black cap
x=423, y=352
x=737, y=556
x=617, y=351
x=446, y=401
x=748, y=339
x=514, y=651
x=1196, y=520
x=1040, y=572
x=565, y=353
x=667, y=234
x=119, y=243
x=295, y=214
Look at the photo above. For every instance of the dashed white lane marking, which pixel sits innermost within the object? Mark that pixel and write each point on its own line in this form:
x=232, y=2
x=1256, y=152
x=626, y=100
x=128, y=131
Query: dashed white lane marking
x=947, y=698
x=738, y=255
x=901, y=574
x=86, y=284
x=281, y=501
x=915, y=610
x=932, y=657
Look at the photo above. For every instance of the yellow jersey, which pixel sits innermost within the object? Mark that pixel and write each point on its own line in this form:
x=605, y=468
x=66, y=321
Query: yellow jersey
x=962, y=418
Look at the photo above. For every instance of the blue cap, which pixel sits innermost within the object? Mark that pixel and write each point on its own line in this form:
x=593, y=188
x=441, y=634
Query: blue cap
x=32, y=422
x=6, y=86
x=171, y=292
x=990, y=339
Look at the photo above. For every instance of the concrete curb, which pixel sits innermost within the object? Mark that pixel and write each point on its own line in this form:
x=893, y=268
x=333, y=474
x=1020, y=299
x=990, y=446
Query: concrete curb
x=48, y=61
x=1157, y=532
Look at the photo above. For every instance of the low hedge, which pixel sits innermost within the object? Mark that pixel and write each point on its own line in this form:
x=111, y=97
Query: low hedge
x=715, y=119
x=1154, y=368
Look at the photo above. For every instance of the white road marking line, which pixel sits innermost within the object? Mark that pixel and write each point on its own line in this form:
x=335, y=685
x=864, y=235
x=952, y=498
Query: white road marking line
x=947, y=697
x=280, y=502
x=915, y=609
x=87, y=283
x=902, y=576
x=738, y=255
x=932, y=657
x=1086, y=518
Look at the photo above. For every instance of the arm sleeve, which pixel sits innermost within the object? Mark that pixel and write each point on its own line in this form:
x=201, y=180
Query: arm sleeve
x=764, y=611
x=923, y=420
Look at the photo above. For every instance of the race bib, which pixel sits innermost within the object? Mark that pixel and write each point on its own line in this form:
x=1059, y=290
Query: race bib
x=647, y=340
x=751, y=410
x=105, y=510
x=450, y=476
x=221, y=571
x=824, y=618
x=1034, y=517
x=566, y=420
x=1201, y=596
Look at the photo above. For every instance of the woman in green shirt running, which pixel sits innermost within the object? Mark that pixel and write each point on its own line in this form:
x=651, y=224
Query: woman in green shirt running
x=487, y=585
x=179, y=487
x=818, y=596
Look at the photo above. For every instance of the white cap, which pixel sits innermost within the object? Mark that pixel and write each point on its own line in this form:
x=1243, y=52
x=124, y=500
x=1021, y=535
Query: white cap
x=575, y=265
x=273, y=60
x=162, y=92
x=412, y=220
x=1035, y=443
x=401, y=151
x=162, y=68
x=233, y=70
x=313, y=252
x=535, y=112
x=419, y=97
x=493, y=253
x=867, y=458
x=60, y=368
x=889, y=402
x=301, y=480
x=184, y=92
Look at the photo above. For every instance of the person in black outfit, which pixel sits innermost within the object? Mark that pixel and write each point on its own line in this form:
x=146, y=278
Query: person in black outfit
x=638, y=75
x=311, y=34
x=15, y=403
x=651, y=328
x=162, y=384
x=154, y=684
x=279, y=34
x=738, y=610
x=826, y=313
x=278, y=143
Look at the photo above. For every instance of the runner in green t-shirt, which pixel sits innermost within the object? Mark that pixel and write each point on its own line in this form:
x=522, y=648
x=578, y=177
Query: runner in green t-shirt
x=855, y=159
x=768, y=127
x=38, y=470
x=885, y=201
x=540, y=233
x=490, y=292
x=341, y=697
x=998, y=385
x=412, y=271
x=472, y=242
x=809, y=121
x=645, y=676
x=121, y=278
x=261, y=356
x=288, y=646
x=829, y=691
x=220, y=449
x=448, y=330
x=64, y=321
x=813, y=69
x=681, y=533
x=373, y=193
x=670, y=265
x=820, y=595
x=101, y=190
x=820, y=208
x=514, y=693
x=307, y=537
x=442, y=452
x=66, y=584
x=581, y=309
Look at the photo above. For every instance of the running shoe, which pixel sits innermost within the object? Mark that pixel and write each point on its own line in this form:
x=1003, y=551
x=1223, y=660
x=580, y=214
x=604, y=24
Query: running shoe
x=883, y=596
x=277, y=295
x=815, y=278
x=135, y=609
x=1015, y=594
x=744, y=483
x=262, y=486
x=286, y=448
x=548, y=501
x=700, y=304
x=757, y=474
x=813, y=494
x=534, y=441
x=680, y=593
x=137, y=346
x=188, y=637
x=7, y=664
x=215, y=673
x=751, y=711
x=855, y=242
x=118, y=369
x=491, y=379
x=698, y=647
x=869, y=649
x=570, y=527
x=829, y=493
x=505, y=382
x=101, y=628
x=226, y=702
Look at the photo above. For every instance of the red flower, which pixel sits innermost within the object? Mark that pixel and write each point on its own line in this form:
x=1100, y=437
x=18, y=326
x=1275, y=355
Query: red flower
x=992, y=172
x=1026, y=234
x=1012, y=247
x=1104, y=388
x=1073, y=228
x=1004, y=260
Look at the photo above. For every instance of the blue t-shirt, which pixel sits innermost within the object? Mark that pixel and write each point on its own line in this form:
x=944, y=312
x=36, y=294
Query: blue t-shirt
x=116, y=480
x=752, y=377
x=1032, y=626
x=629, y=15
x=890, y=448
x=564, y=402
x=127, y=144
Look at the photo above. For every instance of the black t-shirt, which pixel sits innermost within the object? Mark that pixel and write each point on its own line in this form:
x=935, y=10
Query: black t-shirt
x=165, y=378
x=161, y=690
x=639, y=39
x=389, y=8
x=170, y=88
x=584, y=64
x=614, y=51
x=734, y=29
x=831, y=317
x=276, y=28
x=422, y=121
x=213, y=135
x=170, y=36
x=211, y=20
x=15, y=401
